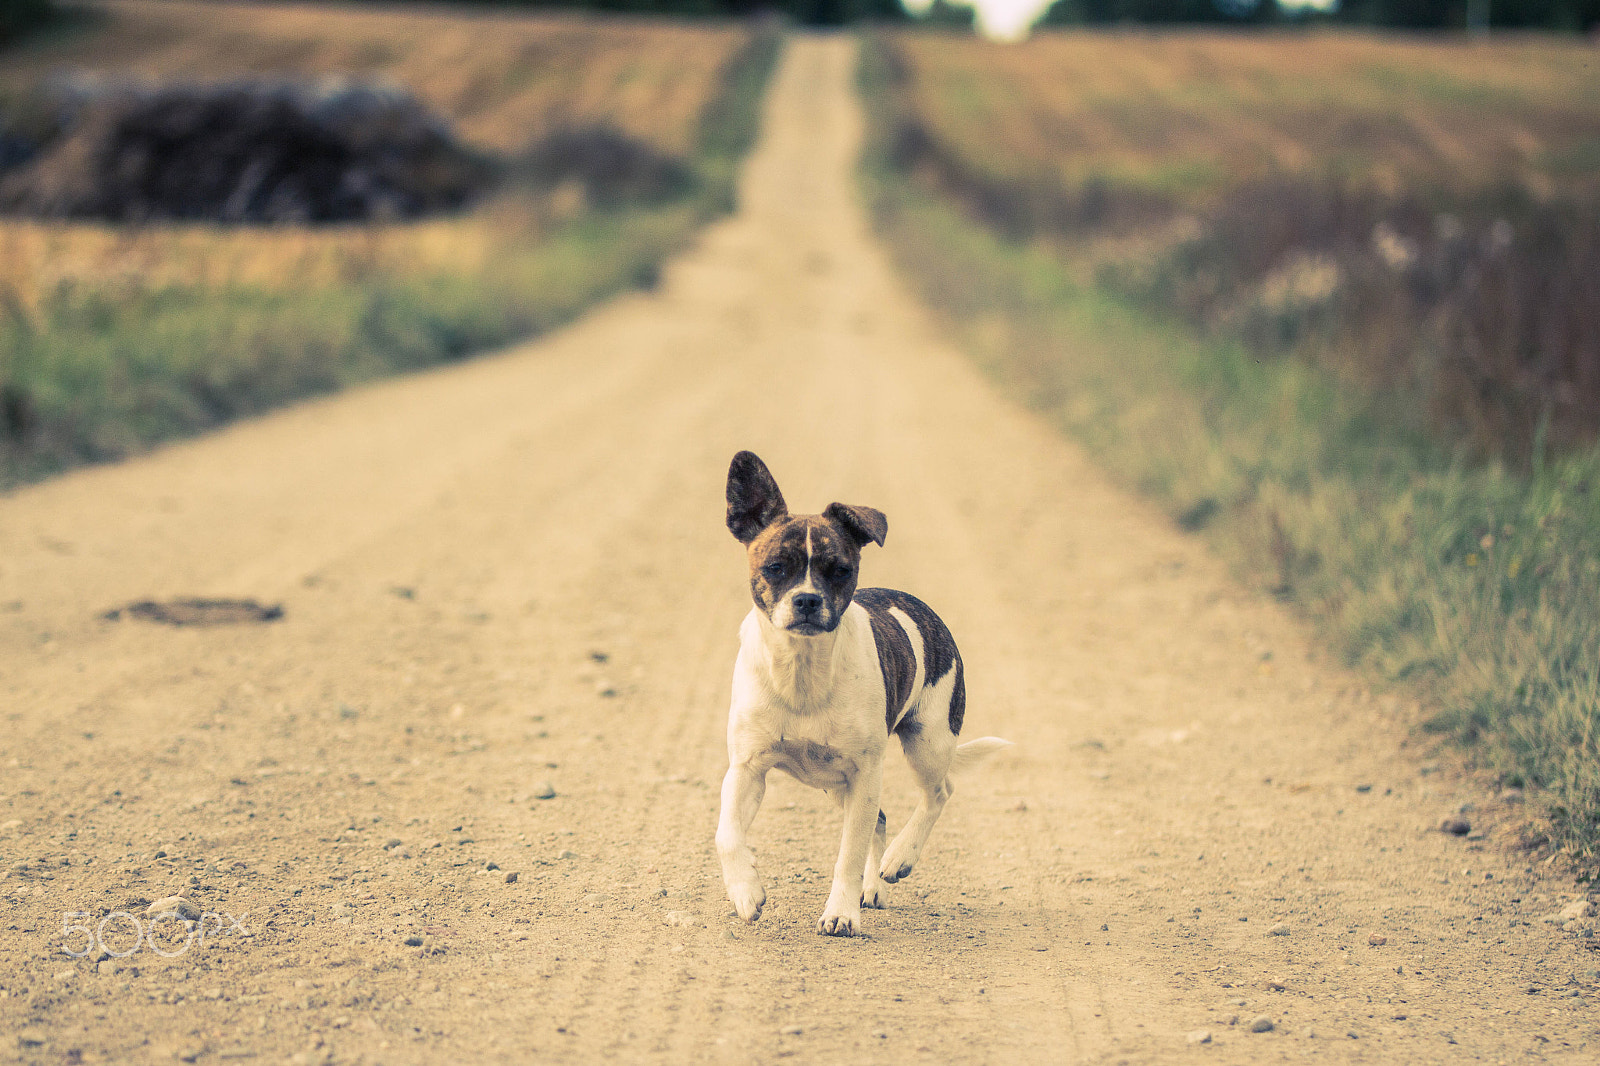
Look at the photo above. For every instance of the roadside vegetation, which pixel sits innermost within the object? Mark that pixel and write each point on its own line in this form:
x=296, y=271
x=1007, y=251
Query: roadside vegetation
x=1332, y=299
x=616, y=140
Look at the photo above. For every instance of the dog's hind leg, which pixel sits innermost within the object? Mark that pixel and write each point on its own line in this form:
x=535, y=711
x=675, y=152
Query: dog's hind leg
x=930, y=746
x=873, y=888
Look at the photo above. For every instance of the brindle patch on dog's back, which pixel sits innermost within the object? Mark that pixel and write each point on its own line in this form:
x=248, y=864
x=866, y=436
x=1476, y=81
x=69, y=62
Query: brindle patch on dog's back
x=896, y=658
x=939, y=651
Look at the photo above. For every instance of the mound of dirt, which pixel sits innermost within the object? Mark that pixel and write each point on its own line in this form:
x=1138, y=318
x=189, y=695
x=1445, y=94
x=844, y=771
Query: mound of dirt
x=244, y=152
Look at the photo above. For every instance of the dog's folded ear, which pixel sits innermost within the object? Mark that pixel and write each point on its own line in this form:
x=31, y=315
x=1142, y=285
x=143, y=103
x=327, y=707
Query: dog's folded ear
x=862, y=523
x=754, y=502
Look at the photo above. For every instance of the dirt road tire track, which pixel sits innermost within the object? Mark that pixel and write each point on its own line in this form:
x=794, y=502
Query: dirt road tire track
x=457, y=552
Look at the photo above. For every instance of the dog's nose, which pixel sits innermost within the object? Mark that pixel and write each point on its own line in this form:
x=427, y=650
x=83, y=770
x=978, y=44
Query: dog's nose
x=807, y=603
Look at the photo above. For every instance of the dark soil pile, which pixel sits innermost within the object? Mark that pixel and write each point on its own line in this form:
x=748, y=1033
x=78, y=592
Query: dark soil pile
x=244, y=152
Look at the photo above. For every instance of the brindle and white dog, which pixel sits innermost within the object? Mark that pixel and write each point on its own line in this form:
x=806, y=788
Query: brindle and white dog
x=825, y=674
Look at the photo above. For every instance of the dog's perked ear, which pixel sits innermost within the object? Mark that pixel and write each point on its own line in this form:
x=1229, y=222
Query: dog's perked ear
x=862, y=523
x=754, y=502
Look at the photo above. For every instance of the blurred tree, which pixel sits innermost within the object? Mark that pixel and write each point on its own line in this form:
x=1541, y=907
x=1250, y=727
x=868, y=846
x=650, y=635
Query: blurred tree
x=807, y=12
x=944, y=13
x=1569, y=15
x=19, y=16
x=1095, y=12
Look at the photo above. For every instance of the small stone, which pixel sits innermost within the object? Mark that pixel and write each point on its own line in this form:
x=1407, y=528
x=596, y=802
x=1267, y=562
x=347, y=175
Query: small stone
x=545, y=791
x=1377, y=940
x=883, y=1035
x=491, y=866
x=1276, y=984
x=1281, y=929
x=1199, y=1036
x=173, y=905
x=681, y=918
x=1363, y=788
x=392, y=843
x=1455, y=826
x=1261, y=1024
x=511, y=878
x=605, y=690
x=567, y=853
x=1578, y=908
x=790, y=1030
x=413, y=941
x=594, y=899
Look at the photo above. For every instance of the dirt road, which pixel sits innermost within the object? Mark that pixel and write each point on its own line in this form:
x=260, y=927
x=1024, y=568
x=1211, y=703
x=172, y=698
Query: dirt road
x=514, y=573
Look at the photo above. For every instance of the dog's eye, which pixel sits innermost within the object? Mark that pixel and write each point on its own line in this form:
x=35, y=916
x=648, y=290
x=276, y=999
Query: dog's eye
x=773, y=570
x=842, y=573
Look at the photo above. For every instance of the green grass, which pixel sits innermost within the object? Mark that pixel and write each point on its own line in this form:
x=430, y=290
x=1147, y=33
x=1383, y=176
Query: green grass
x=97, y=372
x=1474, y=586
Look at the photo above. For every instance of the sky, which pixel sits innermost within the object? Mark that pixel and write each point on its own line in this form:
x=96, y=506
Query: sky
x=1010, y=20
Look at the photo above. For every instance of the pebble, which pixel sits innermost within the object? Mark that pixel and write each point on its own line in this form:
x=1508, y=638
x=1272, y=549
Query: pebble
x=1199, y=1036
x=545, y=791
x=1377, y=940
x=1261, y=1024
x=173, y=905
x=681, y=918
x=511, y=878
x=880, y=1034
x=1363, y=788
x=567, y=853
x=1455, y=826
x=1578, y=908
x=791, y=1030
x=605, y=689
x=1281, y=929
x=596, y=898
x=413, y=941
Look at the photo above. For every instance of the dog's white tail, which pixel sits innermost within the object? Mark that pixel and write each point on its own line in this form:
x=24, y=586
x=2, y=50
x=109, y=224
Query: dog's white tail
x=974, y=752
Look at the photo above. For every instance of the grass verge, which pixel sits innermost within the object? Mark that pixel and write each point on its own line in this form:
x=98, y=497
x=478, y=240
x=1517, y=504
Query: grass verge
x=180, y=329
x=1475, y=586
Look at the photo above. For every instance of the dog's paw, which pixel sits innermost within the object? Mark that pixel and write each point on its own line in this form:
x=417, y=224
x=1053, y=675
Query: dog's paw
x=875, y=895
x=896, y=872
x=831, y=924
x=748, y=899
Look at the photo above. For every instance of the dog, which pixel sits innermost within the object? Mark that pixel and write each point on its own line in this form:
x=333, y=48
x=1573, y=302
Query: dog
x=826, y=674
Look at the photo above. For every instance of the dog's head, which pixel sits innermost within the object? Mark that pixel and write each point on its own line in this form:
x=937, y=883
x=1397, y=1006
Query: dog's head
x=803, y=568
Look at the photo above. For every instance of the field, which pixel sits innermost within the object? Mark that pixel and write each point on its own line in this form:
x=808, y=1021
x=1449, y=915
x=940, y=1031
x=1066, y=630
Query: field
x=1413, y=213
x=1332, y=299
x=112, y=338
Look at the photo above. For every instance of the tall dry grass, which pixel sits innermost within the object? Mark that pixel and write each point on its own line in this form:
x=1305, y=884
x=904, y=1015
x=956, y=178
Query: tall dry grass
x=1412, y=212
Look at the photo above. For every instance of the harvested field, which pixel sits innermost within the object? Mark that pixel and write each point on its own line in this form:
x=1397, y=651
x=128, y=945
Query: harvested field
x=1416, y=214
x=113, y=337
x=1189, y=115
x=505, y=80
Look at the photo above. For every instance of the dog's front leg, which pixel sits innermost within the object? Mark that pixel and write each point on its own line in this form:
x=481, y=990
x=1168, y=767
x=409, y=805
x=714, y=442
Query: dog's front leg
x=742, y=790
x=843, y=913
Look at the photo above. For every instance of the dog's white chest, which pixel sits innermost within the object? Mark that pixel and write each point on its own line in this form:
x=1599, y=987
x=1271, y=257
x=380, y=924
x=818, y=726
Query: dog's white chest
x=814, y=764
